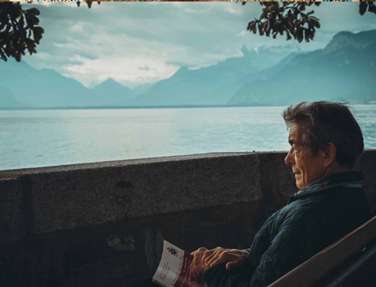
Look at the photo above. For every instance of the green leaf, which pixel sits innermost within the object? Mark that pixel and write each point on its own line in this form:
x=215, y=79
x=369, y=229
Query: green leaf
x=38, y=31
x=362, y=7
x=33, y=11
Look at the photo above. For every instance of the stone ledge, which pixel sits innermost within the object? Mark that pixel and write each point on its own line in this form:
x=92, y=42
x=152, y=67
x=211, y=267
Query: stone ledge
x=89, y=224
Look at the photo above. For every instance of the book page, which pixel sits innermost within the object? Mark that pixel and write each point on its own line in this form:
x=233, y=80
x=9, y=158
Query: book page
x=173, y=269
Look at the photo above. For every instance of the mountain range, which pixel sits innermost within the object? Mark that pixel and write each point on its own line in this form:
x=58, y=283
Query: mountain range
x=344, y=70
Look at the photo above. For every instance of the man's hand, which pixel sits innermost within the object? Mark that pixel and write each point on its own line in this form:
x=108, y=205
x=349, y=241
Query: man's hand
x=204, y=259
x=231, y=257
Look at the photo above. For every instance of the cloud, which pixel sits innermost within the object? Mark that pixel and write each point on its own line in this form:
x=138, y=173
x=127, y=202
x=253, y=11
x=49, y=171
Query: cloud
x=136, y=42
x=129, y=71
x=234, y=10
x=77, y=28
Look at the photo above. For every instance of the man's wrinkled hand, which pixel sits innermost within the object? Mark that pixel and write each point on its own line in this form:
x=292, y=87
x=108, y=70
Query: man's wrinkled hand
x=232, y=258
x=203, y=259
x=198, y=267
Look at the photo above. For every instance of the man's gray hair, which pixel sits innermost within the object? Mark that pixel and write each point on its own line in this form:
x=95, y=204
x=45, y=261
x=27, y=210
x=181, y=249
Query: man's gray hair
x=328, y=122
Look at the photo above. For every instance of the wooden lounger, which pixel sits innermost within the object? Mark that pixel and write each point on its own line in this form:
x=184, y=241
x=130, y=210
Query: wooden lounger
x=351, y=261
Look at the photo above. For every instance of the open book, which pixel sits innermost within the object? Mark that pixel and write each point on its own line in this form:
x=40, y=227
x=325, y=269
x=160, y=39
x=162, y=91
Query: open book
x=174, y=268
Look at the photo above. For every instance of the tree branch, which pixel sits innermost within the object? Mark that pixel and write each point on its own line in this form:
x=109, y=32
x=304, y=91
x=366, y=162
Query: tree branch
x=19, y=30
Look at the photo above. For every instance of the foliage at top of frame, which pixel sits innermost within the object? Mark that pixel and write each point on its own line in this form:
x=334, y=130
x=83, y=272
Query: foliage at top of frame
x=20, y=31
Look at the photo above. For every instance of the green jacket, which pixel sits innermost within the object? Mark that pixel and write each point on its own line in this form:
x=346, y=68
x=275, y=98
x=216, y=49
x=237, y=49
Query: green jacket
x=315, y=217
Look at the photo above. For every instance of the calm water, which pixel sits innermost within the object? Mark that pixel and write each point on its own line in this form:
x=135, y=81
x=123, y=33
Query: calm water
x=31, y=138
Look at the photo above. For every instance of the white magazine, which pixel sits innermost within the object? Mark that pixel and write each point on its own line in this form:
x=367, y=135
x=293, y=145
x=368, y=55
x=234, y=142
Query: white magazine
x=173, y=269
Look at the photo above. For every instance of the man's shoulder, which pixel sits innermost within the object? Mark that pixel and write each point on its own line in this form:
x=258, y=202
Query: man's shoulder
x=297, y=212
x=297, y=207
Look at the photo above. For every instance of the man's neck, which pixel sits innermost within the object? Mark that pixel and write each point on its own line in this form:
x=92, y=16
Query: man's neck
x=336, y=168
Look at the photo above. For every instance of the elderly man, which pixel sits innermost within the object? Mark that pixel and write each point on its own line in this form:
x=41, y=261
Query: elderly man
x=325, y=142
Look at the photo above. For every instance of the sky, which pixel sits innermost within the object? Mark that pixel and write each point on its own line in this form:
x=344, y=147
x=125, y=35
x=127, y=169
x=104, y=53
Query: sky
x=137, y=43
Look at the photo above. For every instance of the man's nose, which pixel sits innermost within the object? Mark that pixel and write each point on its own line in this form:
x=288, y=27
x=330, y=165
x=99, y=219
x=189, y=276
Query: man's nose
x=288, y=159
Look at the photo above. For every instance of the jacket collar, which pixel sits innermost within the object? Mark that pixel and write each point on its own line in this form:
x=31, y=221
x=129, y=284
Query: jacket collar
x=348, y=179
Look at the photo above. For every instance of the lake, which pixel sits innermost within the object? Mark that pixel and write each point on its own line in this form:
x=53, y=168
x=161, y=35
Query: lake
x=35, y=138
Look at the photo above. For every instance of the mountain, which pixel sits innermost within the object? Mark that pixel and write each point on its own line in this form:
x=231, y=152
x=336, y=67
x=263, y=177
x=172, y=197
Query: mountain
x=212, y=85
x=111, y=93
x=22, y=86
x=343, y=71
x=7, y=99
x=142, y=89
x=33, y=88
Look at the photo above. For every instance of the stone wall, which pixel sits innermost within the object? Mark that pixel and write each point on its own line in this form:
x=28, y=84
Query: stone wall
x=91, y=224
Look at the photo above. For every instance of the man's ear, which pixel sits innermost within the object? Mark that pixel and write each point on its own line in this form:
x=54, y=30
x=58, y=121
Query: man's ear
x=329, y=154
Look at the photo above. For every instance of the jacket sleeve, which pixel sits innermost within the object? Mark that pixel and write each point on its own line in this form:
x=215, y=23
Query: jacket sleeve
x=276, y=257
x=290, y=247
x=219, y=277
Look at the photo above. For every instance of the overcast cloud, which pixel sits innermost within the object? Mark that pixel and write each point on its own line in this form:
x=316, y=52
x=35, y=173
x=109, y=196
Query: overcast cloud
x=136, y=43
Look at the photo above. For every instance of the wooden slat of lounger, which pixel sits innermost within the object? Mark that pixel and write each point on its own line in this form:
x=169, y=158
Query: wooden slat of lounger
x=309, y=272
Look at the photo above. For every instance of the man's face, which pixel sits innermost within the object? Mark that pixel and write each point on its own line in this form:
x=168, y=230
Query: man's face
x=305, y=165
